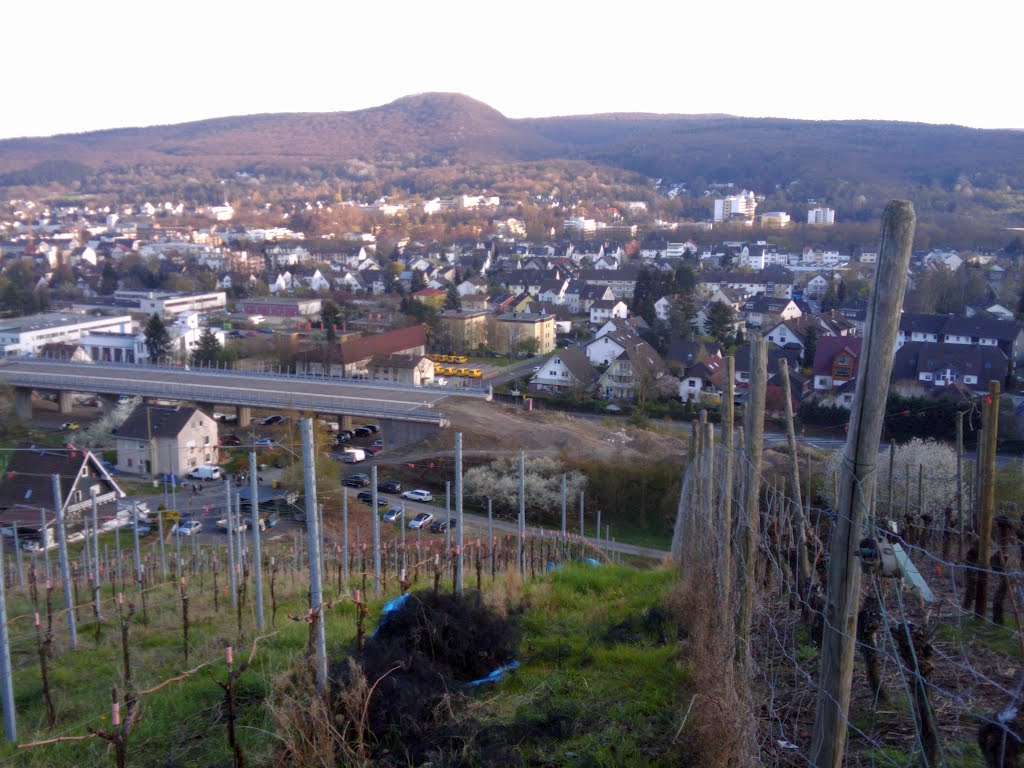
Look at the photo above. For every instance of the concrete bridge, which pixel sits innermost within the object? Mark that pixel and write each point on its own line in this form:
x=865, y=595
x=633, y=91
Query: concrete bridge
x=344, y=399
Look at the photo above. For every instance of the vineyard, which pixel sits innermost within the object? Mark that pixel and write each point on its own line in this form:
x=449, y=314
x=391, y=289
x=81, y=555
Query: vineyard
x=194, y=680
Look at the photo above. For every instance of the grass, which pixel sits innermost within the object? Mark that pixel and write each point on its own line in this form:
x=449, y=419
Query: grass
x=1001, y=639
x=576, y=700
x=584, y=701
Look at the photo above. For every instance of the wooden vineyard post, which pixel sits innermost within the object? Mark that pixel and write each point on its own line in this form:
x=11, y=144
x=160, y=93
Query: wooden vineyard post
x=988, y=497
x=856, y=485
x=754, y=431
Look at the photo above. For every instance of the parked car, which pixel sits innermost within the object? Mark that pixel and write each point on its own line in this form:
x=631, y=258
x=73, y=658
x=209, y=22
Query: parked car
x=362, y=432
x=356, y=480
x=189, y=527
x=332, y=426
x=264, y=441
x=440, y=526
x=373, y=450
x=389, y=486
x=393, y=514
x=353, y=455
x=378, y=443
x=275, y=419
x=271, y=520
x=418, y=495
x=422, y=519
x=205, y=472
x=348, y=434
x=367, y=498
x=69, y=426
x=341, y=438
x=374, y=428
x=231, y=440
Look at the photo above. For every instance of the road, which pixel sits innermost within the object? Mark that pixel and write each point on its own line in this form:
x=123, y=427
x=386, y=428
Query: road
x=261, y=390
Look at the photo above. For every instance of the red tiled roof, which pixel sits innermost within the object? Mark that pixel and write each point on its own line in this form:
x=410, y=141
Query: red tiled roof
x=829, y=346
x=388, y=343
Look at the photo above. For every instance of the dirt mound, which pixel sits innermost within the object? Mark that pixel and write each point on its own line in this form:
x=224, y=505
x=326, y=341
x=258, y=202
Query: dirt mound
x=423, y=657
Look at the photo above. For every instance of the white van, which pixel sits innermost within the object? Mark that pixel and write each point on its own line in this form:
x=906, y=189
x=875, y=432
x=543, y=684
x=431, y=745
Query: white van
x=353, y=455
x=205, y=472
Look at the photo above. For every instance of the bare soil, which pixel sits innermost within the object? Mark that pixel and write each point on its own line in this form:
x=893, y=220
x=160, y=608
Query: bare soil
x=498, y=428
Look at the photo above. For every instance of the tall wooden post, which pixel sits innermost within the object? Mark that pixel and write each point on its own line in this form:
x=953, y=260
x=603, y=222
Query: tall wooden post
x=960, y=487
x=988, y=496
x=800, y=522
x=728, y=416
x=855, y=485
x=753, y=427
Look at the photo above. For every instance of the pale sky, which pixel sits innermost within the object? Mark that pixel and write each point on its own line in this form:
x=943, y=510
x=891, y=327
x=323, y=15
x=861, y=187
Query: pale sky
x=74, y=66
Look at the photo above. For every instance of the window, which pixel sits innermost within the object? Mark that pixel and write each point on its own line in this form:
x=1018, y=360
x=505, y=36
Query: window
x=206, y=440
x=129, y=462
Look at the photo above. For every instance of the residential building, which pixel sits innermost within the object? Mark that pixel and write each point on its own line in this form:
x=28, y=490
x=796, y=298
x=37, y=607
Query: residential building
x=776, y=282
x=1007, y=335
x=923, y=367
x=703, y=380
x=26, y=489
x=760, y=311
x=822, y=217
x=633, y=375
x=166, y=440
x=568, y=370
x=736, y=207
x=465, y=330
x=835, y=361
x=602, y=311
x=517, y=332
x=283, y=307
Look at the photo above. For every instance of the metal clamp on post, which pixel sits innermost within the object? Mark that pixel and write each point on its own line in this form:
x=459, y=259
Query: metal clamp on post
x=879, y=557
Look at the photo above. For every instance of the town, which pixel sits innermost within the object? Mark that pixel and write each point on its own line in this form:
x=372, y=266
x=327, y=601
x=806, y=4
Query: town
x=605, y=311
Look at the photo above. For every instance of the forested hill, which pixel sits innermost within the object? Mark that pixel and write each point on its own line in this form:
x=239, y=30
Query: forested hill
x=438, y=133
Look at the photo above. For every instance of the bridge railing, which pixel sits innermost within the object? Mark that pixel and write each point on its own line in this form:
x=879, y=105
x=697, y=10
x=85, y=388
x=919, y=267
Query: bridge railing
x=300, y=401
x=470, y=389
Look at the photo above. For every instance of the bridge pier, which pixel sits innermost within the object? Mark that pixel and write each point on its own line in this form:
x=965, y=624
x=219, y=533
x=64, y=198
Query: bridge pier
x=65, y=402
x=23, y=403
x=344, y=422
x=244, y=415
x=207, y=408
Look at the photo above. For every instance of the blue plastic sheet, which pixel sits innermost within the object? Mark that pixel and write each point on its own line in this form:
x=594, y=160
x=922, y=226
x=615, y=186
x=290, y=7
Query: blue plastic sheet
x=390, y=607
x=593, y=562
x=496, y=675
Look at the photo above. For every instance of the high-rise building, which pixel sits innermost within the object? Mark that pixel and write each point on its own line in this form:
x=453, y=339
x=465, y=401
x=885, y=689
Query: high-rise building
x=741, y=206
x=821, y=216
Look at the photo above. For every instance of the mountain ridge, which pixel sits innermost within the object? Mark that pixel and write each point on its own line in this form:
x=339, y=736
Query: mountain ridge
x=440, y=130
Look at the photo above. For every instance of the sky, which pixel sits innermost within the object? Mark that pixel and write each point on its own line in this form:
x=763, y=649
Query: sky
x=73, y=66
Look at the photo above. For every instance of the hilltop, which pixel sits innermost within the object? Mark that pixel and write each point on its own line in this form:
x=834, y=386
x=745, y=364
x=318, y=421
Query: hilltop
x=438, y=139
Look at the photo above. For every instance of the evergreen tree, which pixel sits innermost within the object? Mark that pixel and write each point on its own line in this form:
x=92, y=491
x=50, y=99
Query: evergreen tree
x=108, y=279
x=810, y=346
x=208, y=349
x=680, y=316
x=720, y=320
x=452, y=299
x=830, y=300
x=329, y=319
x=158, y=340
x=419, y=281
